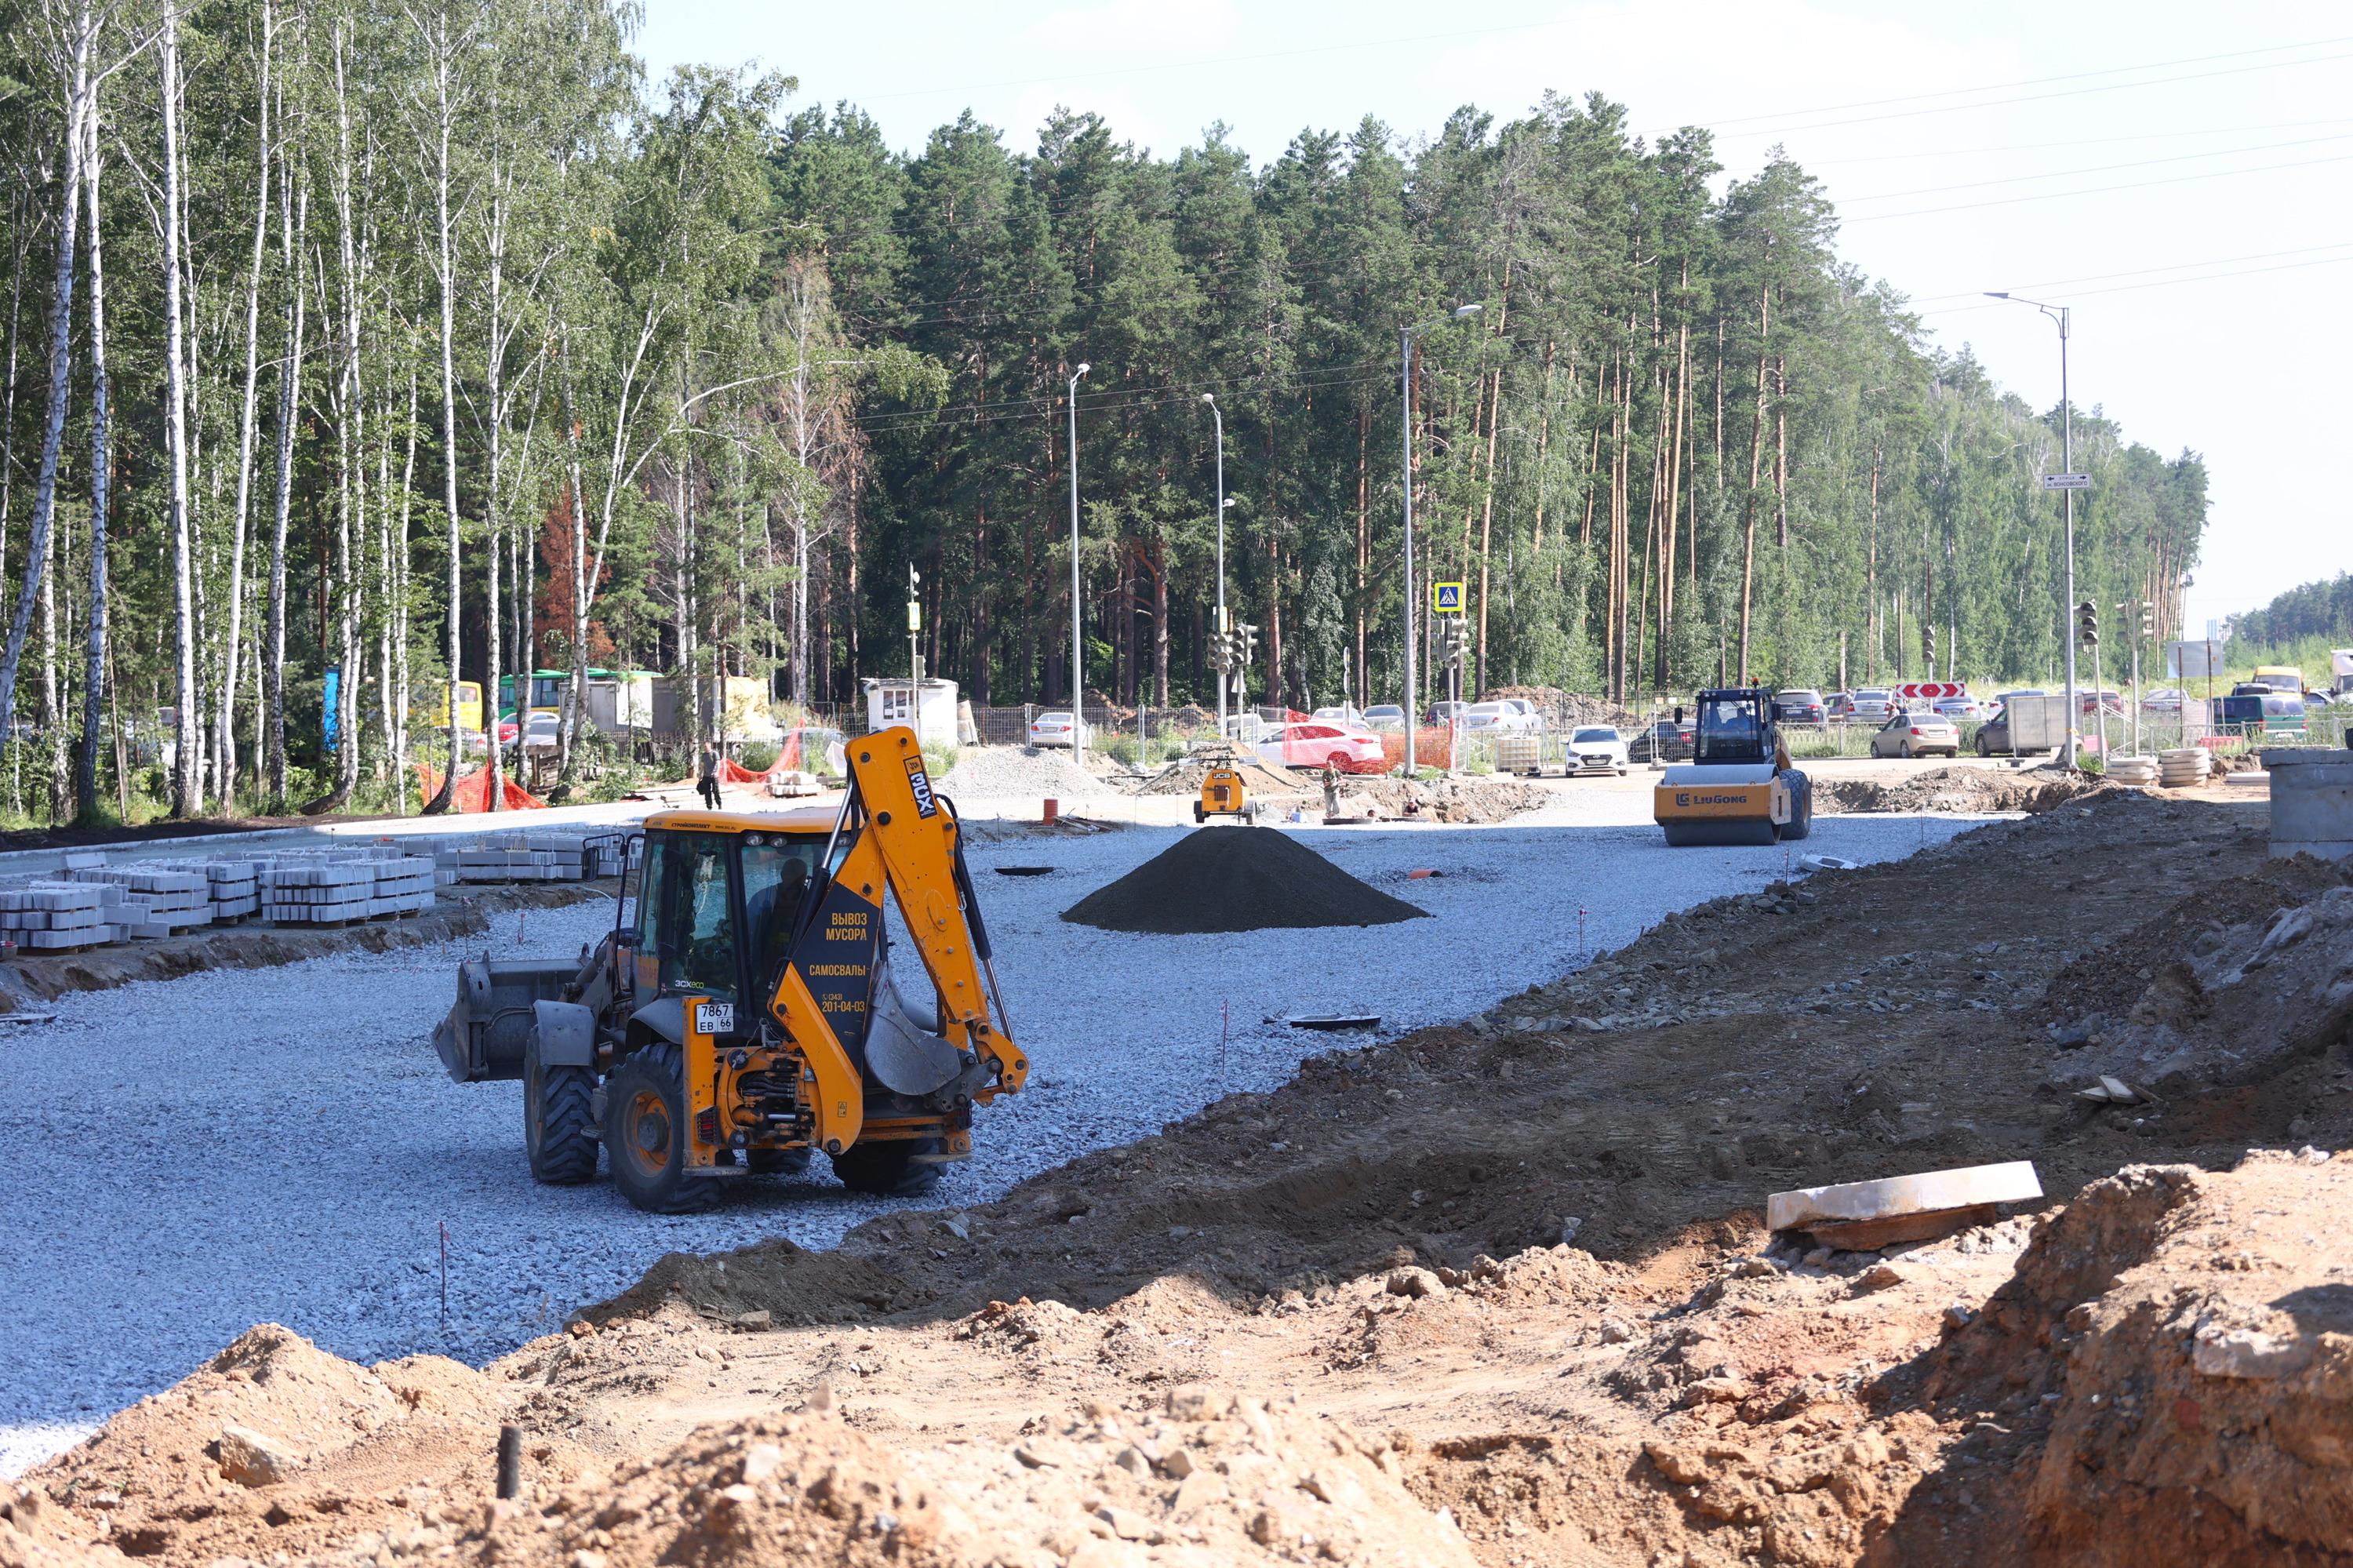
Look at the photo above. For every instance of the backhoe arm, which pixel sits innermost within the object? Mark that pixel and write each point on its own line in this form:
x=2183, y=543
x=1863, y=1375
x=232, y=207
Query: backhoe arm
x=910, y=842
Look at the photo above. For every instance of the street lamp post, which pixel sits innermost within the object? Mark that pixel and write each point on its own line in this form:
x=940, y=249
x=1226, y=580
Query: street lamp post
x=1078, y=647
x=1405, y=386
x=2063, y=315
x=1224, y=675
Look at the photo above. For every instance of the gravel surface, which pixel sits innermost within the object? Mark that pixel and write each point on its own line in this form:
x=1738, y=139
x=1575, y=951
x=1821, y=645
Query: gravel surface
x=1000, y=771
x=193, y=1156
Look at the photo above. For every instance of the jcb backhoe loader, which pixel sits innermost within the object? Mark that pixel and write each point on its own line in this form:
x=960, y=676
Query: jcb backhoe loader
x=742, y=1013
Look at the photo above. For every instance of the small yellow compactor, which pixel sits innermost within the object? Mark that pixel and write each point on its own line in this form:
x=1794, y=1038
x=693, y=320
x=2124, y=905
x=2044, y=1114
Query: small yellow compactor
x=742, y=1013
x=1739, y=788
x=1223, y=793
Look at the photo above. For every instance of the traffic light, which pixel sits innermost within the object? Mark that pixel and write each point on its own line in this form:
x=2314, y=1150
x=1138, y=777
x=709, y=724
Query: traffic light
x=1454, y=639
x=1247, y=652
x=2147, y=618
x=2087, y=620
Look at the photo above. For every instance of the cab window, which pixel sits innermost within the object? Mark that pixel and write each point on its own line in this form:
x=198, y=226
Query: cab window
x=684, y=912
x=777, y=869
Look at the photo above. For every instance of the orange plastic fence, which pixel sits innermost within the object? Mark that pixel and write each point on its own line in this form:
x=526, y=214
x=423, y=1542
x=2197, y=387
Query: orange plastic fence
x=789, y=760
x=473, y=792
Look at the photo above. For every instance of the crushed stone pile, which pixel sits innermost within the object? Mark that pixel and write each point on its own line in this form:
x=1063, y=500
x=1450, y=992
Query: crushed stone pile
x=1236, y=879
x=990, y=771
x=1955, y=789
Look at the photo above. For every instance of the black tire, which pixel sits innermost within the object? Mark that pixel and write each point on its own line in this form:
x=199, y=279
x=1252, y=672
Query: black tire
x=1198, y=814
x=885, y=1169
x=558, y=1131
x=646, y=1135
x=1801, y=808
x=777, y=1161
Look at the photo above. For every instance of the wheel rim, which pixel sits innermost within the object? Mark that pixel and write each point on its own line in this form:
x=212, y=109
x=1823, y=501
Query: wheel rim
x=647, y=1132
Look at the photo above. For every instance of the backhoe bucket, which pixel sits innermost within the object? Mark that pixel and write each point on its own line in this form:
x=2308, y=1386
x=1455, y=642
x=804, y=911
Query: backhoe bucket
x=484, y=1036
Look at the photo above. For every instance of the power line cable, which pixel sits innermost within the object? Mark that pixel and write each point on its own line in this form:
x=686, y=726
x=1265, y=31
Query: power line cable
x=2099, y=190
x=2142, y=271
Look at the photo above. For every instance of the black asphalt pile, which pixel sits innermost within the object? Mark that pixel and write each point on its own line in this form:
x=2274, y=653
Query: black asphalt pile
x=1236, y=879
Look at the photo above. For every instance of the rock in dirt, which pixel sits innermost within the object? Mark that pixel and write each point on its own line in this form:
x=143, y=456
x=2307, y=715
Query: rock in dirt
x=1414, y=1282
x=1236, y=879
x=1955, y=789
x=253, y=1458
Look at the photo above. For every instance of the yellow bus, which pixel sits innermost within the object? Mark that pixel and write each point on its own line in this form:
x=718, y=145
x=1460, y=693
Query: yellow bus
x=469, y=707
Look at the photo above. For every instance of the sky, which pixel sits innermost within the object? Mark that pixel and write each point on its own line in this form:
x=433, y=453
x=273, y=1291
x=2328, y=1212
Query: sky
x=2179, y=175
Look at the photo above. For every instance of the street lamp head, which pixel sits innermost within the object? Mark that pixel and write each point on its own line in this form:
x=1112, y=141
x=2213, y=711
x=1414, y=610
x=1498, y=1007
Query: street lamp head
x=1462, y=310
x=1228, y=500
x=1209, y=398
x=1997, y=294
x=1082, y=369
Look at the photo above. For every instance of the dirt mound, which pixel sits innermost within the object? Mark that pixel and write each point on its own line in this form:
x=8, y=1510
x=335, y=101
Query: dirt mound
x=1955, y=789
x=1460, y=801
x=1236, y=879
x=2223, y=990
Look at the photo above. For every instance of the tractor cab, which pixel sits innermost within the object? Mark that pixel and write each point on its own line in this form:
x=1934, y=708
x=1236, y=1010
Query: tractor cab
x=709, y=902
x=1736, y=727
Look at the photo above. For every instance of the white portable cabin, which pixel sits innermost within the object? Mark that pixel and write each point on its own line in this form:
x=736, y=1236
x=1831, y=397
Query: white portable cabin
x=928, y=708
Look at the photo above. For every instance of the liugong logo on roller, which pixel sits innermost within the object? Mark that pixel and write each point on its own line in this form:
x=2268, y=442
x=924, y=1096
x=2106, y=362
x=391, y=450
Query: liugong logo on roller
x=1685, y=798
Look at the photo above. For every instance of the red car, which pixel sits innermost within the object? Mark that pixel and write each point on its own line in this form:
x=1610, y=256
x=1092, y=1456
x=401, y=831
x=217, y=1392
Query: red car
x=1350, y=749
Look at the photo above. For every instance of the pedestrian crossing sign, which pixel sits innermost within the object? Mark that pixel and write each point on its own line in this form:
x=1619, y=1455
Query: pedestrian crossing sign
x=1446, y=599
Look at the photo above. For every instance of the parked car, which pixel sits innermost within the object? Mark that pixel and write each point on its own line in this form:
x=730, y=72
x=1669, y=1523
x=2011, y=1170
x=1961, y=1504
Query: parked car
x=2100, y=702
x=1916, y=735
x=1839, y=704
x=1385, y=715
x=541, y=730
x=1351, y=748
x=1052, y=729
x=1499, y=718
x=1959, y=708
x=1339, y=715
x=1799, y=705
x=1443, y=713
x=2164, y=700
x=1596, y=748
x=1523, y=705
x=1872, y=703
x=1668, y=740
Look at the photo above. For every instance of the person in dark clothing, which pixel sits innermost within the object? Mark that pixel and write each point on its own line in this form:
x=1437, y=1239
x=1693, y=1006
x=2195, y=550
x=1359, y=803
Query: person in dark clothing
x=708, y=780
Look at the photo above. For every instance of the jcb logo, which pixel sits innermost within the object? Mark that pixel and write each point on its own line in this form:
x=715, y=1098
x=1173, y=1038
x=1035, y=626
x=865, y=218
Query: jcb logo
x=920, y=782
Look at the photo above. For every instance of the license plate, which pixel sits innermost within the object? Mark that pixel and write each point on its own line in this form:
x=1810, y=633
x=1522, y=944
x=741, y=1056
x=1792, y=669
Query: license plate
x=714, y=1018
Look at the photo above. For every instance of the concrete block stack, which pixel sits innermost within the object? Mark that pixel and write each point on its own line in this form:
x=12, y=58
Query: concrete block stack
x=316, y=891
x=57, y=915
x=404, y=884
x=154, y=901
x=236, y=888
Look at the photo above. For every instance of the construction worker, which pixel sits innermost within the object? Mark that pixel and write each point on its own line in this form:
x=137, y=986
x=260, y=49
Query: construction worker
x=707, y=780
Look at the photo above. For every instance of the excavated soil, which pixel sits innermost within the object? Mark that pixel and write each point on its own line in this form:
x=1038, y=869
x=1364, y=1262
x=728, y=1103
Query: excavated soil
x=1456, y=801
x=1960, y=789
x=1222, y=878
x=1496, y=1294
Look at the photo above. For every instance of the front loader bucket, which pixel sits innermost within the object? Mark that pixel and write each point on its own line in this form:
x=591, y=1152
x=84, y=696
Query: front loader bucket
x=484, y=1036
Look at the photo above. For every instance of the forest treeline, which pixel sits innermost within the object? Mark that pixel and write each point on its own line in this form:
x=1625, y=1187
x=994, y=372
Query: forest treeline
x=380, y=342
x=2311, y=613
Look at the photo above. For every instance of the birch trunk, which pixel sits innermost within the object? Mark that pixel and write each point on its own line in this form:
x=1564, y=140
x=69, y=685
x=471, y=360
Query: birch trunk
x=224, y=737
x=79, y=92
x=186, y=777
x=94, y=656
x=293, y=217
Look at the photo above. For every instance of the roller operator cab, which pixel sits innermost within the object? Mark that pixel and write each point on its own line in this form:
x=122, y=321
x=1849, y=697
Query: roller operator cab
x=743, y=1014
x=1738, y=788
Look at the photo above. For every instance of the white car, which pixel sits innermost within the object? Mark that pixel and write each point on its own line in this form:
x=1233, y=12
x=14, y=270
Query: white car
x=1499, y=718
x=1596, y=748
x=1339, y=716
x=2164, y=700
x=1052, y=729
x=541, y=730
x=1385, y=715
x=1350, y=749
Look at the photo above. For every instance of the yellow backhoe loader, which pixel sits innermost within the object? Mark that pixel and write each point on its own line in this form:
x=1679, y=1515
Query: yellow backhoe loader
x=742, y=1013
